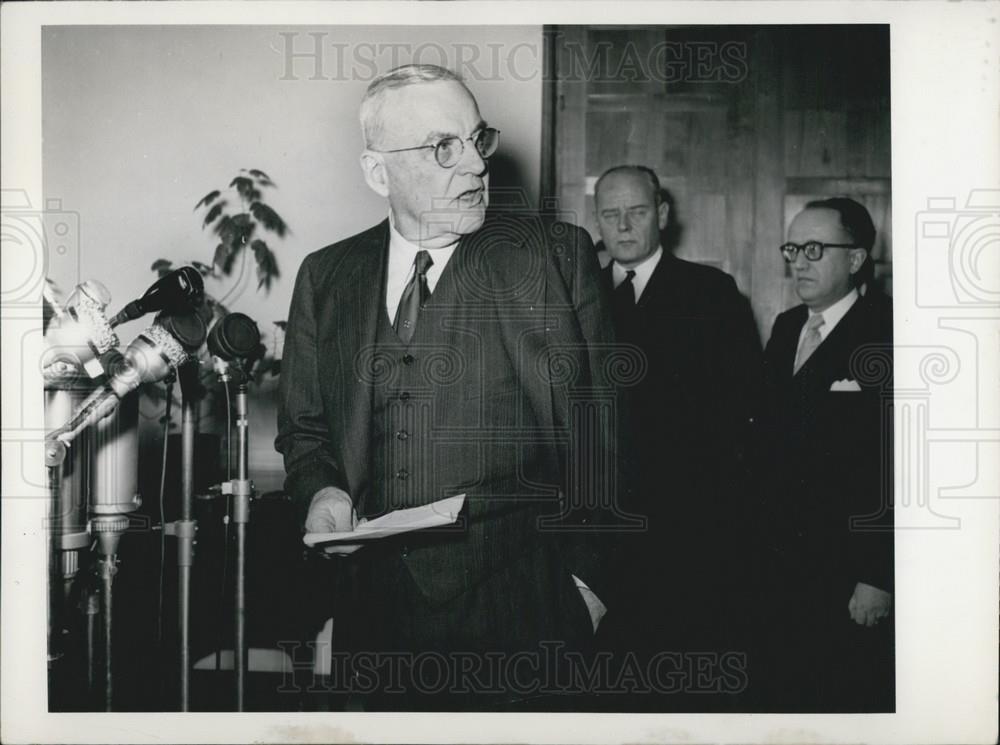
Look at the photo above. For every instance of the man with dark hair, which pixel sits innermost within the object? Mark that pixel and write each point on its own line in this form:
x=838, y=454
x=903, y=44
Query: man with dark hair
x=427, y=357
x=858, y=223
x=691, y=416
x=826, y=428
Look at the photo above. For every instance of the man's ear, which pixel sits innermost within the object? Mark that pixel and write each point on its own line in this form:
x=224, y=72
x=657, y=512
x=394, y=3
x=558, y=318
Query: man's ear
x=376, y=177
x=662, y=214
x=858, y=256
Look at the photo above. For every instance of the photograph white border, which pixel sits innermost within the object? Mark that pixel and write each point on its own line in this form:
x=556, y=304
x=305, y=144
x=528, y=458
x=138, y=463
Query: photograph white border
x=945, y=93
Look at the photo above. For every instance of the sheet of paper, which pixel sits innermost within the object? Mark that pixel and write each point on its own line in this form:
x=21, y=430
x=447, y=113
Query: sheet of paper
x=433, y=515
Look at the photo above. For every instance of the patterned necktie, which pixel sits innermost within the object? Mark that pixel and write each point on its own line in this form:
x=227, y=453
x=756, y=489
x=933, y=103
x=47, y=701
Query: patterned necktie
x=810, y=341
x=415, y=294
x=625, y=294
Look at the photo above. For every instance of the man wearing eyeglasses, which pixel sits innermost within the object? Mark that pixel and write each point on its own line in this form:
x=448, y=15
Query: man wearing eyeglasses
x=827, y=428
x=419, y=364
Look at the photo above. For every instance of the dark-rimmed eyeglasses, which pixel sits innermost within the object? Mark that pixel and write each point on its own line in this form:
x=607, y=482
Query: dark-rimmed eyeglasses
x=448, y=150
x=812, y=250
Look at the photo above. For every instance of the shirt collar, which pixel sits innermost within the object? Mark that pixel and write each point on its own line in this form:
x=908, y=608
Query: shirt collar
x=833, y=314
x=402, y=253
x=642, y=271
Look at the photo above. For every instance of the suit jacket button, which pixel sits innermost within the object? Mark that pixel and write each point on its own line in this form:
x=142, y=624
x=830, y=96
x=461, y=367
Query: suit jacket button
x=402, y=474
x=408, y=359
x=402, y=435
x=404, y=550
x=404, y=396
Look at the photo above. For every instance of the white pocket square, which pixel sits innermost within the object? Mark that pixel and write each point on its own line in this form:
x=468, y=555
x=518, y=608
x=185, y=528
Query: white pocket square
x=845, y=385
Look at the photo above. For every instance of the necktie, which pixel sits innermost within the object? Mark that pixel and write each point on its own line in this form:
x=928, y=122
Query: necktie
x=624, y=296
x=415, y=294
x=810, y=341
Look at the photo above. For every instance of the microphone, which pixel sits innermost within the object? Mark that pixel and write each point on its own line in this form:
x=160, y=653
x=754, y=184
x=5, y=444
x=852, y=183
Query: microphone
x=233, y=337
x=180, y=289
x=150, y=357
x=80, y=334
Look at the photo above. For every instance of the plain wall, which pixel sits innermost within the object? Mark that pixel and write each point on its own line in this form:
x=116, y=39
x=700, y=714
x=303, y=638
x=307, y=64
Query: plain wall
x=140, y=122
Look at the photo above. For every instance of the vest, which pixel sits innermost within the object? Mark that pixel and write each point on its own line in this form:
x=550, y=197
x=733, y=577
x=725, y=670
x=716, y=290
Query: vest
x=449, y=417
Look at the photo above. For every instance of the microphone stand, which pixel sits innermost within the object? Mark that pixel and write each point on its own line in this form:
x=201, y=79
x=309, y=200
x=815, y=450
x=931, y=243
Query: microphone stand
x=241, y=489
x=185, y=528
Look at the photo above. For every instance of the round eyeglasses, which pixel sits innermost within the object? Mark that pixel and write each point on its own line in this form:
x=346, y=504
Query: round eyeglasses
x=448, y=150
x=812, y=250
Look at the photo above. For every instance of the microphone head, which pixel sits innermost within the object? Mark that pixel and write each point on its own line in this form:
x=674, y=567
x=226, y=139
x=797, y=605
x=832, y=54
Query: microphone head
x=234, y=336
x=192, y=285
x=150, y=357
x=187, y=328
x=82, y=334
x=91, y=292
x=180, y=289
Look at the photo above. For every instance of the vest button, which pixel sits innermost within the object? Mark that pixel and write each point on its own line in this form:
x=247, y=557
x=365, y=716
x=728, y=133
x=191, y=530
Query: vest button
x=402, y=474
x=404, y=396
x=402, y=435
x=407, y=359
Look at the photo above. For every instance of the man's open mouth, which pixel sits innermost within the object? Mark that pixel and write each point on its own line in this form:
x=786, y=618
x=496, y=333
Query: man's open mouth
x=472, y=197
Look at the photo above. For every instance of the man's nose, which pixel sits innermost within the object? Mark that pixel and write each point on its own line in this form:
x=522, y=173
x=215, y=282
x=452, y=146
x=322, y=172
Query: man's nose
x=801, y=262
x=471, y=161
x=624, y=224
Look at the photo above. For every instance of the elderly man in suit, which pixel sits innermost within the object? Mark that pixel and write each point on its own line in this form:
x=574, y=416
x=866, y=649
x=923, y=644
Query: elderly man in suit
x=826, y=425
x=691, y=417
x=444, y=351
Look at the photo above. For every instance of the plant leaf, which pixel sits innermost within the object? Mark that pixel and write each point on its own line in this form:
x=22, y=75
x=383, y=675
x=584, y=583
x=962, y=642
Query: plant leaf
x=207, y=199
x=261, y=176
x=267, y=265
x=213, y=213
x=243, y=186
x=268, y=218
x=224, y=228
x=162, y=267
x=222, y=252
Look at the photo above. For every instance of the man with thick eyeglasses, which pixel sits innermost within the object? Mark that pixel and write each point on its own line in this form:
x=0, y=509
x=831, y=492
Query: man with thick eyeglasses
x=422, y=361
x=827, y=469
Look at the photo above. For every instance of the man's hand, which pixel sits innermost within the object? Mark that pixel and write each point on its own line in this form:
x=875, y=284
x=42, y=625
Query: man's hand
x=332, y=511
x=868, y=605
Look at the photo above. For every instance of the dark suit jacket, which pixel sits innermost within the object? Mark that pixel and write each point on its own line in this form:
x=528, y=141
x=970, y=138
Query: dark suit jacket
x=830, y=452
x=527, y=302
x=690, y=419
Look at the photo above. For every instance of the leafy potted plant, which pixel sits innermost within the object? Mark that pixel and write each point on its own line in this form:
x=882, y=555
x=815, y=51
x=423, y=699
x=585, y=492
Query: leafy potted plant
x=242, y=223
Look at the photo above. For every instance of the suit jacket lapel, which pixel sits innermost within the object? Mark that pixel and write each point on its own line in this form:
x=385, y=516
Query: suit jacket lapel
x=657, y=289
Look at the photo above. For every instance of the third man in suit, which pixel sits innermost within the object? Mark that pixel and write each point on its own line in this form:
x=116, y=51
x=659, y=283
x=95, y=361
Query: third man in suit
x=826, y=434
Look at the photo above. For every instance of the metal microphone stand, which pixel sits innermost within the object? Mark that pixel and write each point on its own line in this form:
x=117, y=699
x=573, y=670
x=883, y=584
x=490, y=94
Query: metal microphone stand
x=185, y=528
x=241, y=489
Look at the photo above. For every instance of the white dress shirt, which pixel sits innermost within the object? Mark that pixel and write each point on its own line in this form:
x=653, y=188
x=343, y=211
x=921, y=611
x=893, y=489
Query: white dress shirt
x=642, y=271
x=401, y=255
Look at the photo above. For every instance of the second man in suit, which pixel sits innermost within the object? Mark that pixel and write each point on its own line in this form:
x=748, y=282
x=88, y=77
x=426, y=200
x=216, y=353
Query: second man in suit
x=690, y=418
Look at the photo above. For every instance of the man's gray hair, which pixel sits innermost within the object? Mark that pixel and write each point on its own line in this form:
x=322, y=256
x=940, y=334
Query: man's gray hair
x=400, y=77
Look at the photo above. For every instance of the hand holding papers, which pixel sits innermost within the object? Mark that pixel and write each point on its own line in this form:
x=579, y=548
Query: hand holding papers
x=434, y=515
